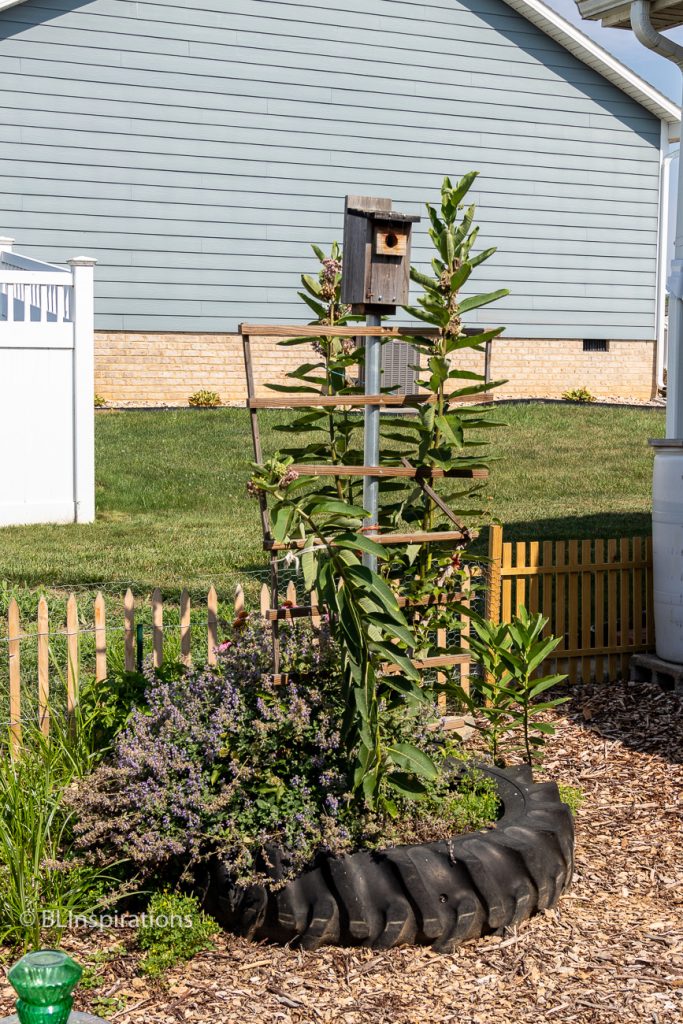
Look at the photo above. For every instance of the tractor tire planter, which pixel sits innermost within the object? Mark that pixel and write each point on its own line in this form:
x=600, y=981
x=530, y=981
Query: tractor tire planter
x=437, y=894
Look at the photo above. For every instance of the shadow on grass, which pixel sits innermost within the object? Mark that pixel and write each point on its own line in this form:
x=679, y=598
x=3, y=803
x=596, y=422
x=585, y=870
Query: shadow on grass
x=600, y=525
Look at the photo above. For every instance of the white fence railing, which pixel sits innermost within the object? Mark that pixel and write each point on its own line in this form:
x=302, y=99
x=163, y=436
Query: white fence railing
x=47, y=473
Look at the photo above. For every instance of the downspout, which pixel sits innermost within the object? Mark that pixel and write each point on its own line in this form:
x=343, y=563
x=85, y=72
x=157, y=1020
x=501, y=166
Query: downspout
x=663, y=245
x=646, y=33
x=667, y=477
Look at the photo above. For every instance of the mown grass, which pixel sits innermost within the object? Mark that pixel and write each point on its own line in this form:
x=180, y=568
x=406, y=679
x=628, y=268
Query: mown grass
x=172, y=508
x=567, y=471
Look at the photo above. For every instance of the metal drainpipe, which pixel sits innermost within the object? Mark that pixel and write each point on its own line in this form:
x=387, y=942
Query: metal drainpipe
x=662, y=269
x=647, y=34
x=667, y=479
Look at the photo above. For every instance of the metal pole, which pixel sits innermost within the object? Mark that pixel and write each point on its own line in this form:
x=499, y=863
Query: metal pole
x=674, y=372
x=373, y=370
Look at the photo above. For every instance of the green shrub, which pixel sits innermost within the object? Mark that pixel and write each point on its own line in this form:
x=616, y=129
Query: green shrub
x=205, y=399
x=100, y=402
x=106, y=705
x=107, y=1006
x=581, y=395
x=573, y=797
x=463, y=799
x=173, y=929
x=93, y=968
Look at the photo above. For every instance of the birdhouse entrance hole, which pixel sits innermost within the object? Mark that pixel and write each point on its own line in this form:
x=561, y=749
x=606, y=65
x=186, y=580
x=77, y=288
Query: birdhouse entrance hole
x=391, y=242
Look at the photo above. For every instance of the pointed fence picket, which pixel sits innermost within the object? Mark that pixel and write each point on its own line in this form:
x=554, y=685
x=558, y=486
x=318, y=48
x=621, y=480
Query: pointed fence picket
x=212, y=625
x=185, y=628
x=100, y=639
x=74, y=631
x=44, y=667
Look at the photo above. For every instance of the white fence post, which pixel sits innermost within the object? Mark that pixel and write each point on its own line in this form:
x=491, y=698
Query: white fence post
x=6, y=243
x=83, y=315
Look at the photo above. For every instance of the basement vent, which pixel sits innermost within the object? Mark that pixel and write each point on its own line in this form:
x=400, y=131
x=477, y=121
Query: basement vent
x=595, y=345
x=398, y=362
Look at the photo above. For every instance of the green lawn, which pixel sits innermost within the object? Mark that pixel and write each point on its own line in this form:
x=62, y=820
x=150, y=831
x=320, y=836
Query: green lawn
x=172, y=508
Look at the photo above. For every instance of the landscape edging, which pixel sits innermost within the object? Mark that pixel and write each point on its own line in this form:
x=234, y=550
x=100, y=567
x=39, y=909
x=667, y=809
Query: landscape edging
x=438, y=894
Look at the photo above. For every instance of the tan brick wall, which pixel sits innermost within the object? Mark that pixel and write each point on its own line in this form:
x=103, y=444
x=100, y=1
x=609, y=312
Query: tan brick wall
x=165, y=369
x=547, y=368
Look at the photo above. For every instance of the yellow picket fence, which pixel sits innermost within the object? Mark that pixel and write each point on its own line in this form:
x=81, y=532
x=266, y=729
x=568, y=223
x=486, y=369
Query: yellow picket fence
x=596, y=595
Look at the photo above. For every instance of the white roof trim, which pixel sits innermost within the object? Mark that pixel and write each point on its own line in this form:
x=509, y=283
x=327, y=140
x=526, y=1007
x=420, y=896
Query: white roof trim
x=592, y=54
x=584, y=48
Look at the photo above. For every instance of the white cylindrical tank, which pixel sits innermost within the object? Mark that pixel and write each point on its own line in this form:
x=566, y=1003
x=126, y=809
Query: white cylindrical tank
x=667, y=548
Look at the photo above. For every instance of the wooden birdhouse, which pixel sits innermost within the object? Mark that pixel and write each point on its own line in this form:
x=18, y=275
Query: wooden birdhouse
x=376, y=275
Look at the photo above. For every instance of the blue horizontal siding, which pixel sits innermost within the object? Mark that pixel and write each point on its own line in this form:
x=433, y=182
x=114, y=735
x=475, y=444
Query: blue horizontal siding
x=197, y=152
x=597, y=211
x=247, y=126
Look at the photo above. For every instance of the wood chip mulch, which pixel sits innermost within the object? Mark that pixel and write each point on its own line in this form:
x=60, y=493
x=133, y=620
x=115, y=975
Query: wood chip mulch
x=612, y=951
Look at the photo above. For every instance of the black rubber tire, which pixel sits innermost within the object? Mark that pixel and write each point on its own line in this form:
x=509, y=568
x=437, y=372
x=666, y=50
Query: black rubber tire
x=437, y=894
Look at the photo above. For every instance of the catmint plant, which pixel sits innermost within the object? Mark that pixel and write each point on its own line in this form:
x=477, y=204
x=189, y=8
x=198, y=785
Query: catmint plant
x=222, y=762
x=222, y=759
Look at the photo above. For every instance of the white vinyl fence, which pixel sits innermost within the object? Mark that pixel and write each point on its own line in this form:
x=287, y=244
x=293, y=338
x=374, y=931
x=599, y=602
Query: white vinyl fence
x=47, y=470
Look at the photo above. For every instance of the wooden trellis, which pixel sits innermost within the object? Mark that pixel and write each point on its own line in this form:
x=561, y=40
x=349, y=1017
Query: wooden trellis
x=422, y=475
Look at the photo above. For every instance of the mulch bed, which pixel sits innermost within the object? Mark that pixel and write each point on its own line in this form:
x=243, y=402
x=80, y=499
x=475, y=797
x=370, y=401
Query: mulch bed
x=612, y=951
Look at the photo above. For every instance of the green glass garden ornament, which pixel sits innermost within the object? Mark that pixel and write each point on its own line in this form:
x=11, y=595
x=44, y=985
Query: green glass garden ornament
x=45, y=981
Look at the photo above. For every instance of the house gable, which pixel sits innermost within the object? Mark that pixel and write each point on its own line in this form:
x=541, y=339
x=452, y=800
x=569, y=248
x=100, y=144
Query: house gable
x=580, y=45
x=166, y=140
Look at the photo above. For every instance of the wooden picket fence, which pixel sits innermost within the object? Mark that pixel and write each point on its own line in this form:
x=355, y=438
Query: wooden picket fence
x=74, y=631
x=596, y=595
x=289, y=606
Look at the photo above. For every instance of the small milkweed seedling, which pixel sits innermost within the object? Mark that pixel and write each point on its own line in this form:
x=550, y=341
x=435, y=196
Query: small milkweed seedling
x=506, y=698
